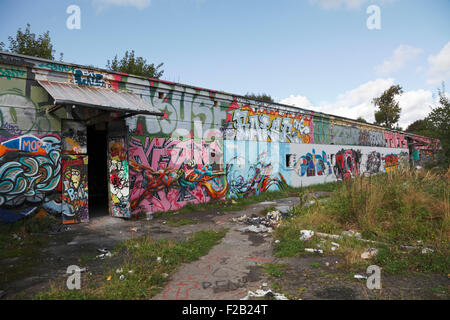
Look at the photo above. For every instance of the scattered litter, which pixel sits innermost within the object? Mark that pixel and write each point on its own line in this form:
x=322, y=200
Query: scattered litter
x=109, y=278
x=333, y=248
x=133, y=229
x=58, y=228
x=358, y=276
x=264, y=294
x=122, y=277
x=271, y=220
x=313, y=250
x=256, y=229
x=119, y=270
x=306, y=234
x=165, y=275
x=264, y=284
x=159, y=259
x=352, y=234
x=335, y=244
x=369, y=253
x=131, y=271
x=16, y=237
x=84, y=269
x=327, y=264
x=326, y=235
x=277, y=241
x=104, y=253
x=318, y=245
x=427, y=250
x=233, y=201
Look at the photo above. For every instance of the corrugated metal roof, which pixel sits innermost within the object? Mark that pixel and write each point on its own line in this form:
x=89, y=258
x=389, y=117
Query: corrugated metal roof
x=100, y=98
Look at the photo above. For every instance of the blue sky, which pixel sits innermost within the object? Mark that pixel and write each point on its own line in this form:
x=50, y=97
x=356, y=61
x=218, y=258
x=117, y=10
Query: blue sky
x=316, y=54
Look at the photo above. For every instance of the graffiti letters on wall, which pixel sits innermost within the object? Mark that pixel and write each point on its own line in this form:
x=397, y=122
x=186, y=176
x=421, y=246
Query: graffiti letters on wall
x=312, y=164
x=247, y=123
x=119, y=189
x=74, y=188
x=74, y=137
x=29, y=171
x=167, y=174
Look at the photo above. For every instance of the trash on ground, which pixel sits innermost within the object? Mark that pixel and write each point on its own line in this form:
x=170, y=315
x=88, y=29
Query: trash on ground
x=313, y=250
x=427, y=250
x=122, y=277
x=358, y=276
x=104, y=253
x=256, y=229
x=264, y=294
x=133, y=229
x=119, y=270
x=277, y=241
x=352, y=234
x=109, y=278
x=271, y=220
x=159, y=259
x=306, y=234
x=369, y=253
x=165, y=275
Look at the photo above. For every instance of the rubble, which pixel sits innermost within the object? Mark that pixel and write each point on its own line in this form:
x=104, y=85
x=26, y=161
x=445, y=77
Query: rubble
x=104, y=253
x=256, y=229
x=261, y=224
x=306, y=235
x=427, y=250
x=358, y=276
x=369, y=253
x=264, y=294
x=313, y=250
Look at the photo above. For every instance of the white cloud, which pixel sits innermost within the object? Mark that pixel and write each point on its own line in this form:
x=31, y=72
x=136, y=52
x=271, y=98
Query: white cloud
x=358, y=102
x=399, y=58
x=349, y=4
x=415, y=105
x=439, y=69
x=297, y=101
x=103, y=4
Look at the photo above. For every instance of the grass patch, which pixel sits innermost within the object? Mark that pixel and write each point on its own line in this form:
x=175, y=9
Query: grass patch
x=396, y=208
x=275, y=269
x=176, y=222
x=148, y=273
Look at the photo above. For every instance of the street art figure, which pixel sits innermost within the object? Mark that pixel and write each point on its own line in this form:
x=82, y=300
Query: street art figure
x=390, y=162
x=119, y=189
x=74, y=190
x=347, y=164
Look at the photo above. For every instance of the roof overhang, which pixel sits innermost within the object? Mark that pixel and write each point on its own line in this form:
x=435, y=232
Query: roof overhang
x=99, y=98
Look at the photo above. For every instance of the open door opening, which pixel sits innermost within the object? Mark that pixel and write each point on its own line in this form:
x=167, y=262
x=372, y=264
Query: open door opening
x=97, y=171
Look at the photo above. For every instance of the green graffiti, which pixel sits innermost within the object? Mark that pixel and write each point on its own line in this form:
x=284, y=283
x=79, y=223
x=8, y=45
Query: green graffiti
x=56, y=67
x=12, y=112
x=10, y=73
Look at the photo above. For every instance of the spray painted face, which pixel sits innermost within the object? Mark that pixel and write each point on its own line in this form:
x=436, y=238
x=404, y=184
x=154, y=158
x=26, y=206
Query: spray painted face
x=75, y=177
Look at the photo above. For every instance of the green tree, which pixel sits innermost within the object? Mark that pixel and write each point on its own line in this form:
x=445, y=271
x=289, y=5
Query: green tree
x=388, y=113
x=422, y=127
x=135, y=65
x=439, y=120
x=361, y=119
x=27, y=43
x=262, y=96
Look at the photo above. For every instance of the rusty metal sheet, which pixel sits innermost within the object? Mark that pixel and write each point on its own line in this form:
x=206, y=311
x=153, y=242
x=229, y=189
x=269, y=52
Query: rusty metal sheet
x=100, y=98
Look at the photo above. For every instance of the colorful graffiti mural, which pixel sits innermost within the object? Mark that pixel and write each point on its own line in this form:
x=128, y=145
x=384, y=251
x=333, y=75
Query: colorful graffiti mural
x=29, y=171
x=313, y=164
x=348, y=163
x=247, y=179
x=167, y=174
x=74, y=137
x=74, y=189
x=119, y=189
x=373, y=162
x=247, y=123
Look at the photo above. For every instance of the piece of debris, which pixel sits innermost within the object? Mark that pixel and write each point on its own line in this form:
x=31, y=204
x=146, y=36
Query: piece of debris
x=326, y=235
x=333, y=248
x=233, y=201
x=335, y=244
x=131, y=271
x=277, y=241
x=16, y=237
x=84, y=269
x=122, y=277
x=369, y=253
x=165, y=275
x=327, y=264
x=133, y=229
x=306, y=234
x=266, y=294
x=352, y=234
x=119, y=270
x=103, y=250
x=358, y=276
x=256, y=229
x=109, y=278
x=104, y=253
x=427, y=250
x=159, y=259
x=41, y=214
x=313, y=250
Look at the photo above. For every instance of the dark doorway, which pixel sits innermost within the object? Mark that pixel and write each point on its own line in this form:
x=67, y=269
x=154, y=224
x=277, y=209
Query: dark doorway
x=97, y=171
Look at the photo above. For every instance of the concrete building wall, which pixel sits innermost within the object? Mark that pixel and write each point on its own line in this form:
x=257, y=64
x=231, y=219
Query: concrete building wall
x=207, y=145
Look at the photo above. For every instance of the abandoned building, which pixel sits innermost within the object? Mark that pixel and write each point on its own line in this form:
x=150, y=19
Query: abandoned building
x=79, y=142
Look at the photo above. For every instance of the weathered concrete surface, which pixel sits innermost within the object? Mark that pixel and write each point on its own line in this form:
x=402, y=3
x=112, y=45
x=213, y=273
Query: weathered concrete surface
x=228, y=271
